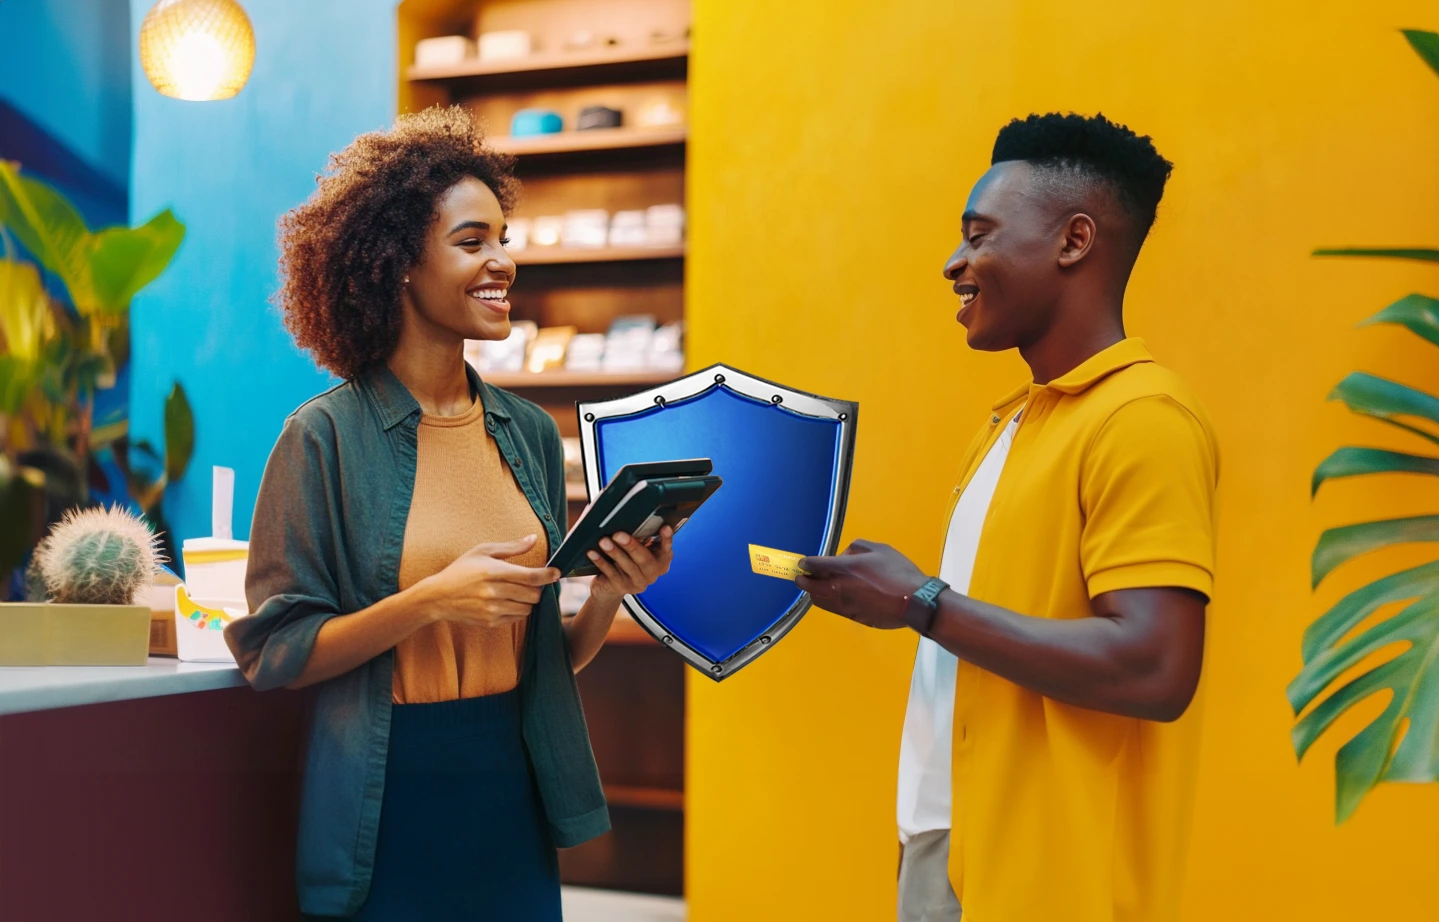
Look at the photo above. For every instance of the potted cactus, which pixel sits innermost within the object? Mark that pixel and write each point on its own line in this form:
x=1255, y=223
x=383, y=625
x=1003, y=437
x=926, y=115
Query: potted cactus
x=91, y=567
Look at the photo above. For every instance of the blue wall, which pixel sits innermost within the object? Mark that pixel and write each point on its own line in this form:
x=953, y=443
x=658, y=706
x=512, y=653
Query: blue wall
x=65, y=64
x=325, y=71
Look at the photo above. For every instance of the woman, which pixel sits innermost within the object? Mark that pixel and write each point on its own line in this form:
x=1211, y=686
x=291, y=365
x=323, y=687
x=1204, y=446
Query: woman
x=398, y=549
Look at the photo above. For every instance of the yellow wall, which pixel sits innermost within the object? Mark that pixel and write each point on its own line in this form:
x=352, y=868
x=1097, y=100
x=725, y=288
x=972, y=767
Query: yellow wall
x=833, y=146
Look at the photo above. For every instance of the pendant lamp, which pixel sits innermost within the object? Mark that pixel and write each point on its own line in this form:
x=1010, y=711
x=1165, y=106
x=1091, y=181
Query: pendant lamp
x=197, y=49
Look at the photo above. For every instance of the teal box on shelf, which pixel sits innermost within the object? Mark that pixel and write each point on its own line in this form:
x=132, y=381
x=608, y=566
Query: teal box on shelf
x=535, y=121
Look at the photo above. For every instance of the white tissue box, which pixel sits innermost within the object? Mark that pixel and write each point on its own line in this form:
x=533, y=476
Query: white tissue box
x=445, y=51
x=200, y=627
x=215, y=567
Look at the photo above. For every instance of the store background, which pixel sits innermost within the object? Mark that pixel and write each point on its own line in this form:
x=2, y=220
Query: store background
x=831, y=150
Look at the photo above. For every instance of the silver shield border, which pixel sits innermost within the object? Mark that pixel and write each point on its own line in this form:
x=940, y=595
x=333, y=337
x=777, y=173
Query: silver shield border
x=692, y=385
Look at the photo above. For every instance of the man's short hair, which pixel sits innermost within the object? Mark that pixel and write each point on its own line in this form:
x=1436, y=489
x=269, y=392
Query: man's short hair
x=1091, y=150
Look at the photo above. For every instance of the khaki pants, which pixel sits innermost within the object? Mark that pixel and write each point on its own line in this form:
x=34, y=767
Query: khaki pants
x=925, y=894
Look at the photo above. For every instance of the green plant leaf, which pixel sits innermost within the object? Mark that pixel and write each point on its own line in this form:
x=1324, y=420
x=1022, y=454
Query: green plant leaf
x=179, y=434
x=1417, y=312
x=17, y=380
x=26, y=322
x=1419, y=253
x=1353, y=462
x=1414, y=583
x=1342, y=544
x=1427, y=44
x=1383, y=399
x=1413, y=678
x=44, y=221
x=123, y=260
x=102, y=271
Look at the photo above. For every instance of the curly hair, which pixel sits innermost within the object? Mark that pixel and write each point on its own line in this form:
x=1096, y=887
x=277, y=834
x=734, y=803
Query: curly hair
x=1092, y=149
x=345, y=251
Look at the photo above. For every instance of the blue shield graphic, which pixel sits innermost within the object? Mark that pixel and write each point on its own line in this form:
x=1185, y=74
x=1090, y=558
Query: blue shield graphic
x=785, y=458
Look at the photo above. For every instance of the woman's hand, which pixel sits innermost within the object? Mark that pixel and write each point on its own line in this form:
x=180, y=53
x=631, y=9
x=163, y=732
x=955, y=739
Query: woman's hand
x=484, y=589
x=628, y=567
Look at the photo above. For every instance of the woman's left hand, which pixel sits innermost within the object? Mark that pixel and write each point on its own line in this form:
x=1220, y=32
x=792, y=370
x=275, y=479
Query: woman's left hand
x=628, y=567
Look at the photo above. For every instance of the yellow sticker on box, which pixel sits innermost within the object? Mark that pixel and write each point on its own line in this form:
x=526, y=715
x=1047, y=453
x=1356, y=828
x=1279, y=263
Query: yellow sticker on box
x=767, y=561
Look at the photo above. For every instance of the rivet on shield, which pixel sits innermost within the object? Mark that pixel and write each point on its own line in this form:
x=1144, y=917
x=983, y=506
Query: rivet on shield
x=659, y=401
x=843, y=417
x=589, y=417
x=719, y=379
x=668, y=639
x=777, y=399
x=715, y=669
x=764, y=639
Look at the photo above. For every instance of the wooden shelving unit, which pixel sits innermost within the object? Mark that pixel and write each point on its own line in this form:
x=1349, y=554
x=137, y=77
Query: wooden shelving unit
x=595, y=140
x=545, y=256
x=634, y=689
x=594, y=66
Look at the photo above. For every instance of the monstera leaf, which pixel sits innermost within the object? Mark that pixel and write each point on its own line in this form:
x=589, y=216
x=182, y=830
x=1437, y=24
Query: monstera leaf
x=1402, y=743
x=102, y=271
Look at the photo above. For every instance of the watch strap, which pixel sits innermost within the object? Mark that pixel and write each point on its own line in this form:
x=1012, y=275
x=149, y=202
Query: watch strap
x=922, y=605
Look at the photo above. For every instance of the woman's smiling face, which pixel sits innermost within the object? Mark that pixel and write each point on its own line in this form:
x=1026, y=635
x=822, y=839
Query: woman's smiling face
x=461, y=284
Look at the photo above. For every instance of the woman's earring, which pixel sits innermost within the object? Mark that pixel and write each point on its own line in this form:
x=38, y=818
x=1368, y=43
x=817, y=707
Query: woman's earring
x=405, y=281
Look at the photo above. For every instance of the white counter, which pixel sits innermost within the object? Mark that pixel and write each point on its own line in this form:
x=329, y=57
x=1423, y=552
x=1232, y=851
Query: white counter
x=42, y=688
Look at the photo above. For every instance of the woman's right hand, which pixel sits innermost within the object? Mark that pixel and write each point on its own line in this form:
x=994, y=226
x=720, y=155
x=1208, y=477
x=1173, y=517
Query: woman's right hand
x=482, y=588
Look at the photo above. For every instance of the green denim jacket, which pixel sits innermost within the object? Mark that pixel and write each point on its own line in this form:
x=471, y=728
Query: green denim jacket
x=328, y=530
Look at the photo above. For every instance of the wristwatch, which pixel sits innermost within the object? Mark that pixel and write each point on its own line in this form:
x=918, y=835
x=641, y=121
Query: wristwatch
x=921, y=605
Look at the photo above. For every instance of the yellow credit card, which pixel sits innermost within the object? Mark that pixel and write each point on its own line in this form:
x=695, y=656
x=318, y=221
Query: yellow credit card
x=766, y=561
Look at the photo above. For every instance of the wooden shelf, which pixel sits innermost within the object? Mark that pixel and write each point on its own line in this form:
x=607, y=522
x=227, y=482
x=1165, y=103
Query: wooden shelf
x=647, y=798
x=598, y=139
x=522, y=380
x=550, y=256
x=597, y=60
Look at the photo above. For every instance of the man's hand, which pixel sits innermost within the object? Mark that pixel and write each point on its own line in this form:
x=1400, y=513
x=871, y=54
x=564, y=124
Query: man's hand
x=867, y=583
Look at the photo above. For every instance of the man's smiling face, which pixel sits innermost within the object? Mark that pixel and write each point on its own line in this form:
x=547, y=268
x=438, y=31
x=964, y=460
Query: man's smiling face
x=1006, y=271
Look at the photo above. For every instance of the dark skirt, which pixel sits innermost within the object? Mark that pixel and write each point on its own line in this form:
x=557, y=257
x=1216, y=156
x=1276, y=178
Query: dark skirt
x=462, y=833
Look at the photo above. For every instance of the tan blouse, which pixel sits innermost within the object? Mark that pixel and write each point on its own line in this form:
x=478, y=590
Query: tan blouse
x=465, y=494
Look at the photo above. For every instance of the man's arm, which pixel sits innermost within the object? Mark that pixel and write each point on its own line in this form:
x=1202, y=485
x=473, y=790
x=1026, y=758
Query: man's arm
x=1139, y=654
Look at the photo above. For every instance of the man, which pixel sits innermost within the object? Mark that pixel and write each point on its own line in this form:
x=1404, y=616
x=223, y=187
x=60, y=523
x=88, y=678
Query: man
x=1049, y=745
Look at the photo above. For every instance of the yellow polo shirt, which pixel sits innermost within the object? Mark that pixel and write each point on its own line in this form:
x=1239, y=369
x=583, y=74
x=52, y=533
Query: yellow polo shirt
x=1062, y=812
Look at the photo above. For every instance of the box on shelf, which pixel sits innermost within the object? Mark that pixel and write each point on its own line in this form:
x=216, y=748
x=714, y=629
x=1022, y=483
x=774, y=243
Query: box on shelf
x=628, y=343
x=200, y=626
x=506, y=45
x=529, y=122
x=443, y=51
x=586, y=352
x=659, y=113
x=574, y=460
x=215, y=567
x=627, y=229
x=159, y=596
x=592, y=117
x=548, y=349
x=588, y=227
x=546, y=230
x=667, y=348
x=664, y=225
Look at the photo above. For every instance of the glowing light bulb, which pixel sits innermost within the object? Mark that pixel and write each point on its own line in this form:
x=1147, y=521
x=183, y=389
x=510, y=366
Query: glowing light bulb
x=197, y=49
